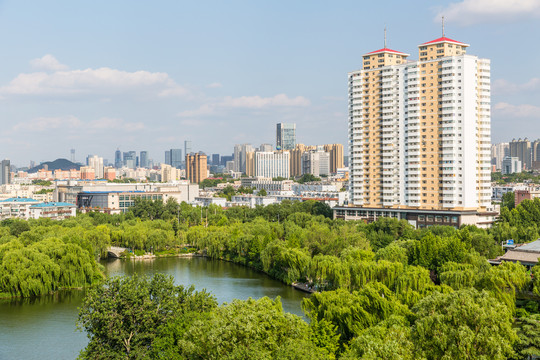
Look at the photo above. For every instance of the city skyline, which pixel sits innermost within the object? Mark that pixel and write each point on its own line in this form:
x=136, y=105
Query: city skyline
x=148, y=78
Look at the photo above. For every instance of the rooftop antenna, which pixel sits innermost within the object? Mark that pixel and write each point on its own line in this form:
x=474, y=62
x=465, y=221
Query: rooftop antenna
x=443, y=26
x=385, y=37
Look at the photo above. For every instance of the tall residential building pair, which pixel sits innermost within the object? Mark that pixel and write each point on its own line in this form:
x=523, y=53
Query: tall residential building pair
x=419, y=135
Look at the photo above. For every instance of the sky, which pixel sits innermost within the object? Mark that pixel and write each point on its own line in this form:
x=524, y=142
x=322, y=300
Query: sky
x=139, y=75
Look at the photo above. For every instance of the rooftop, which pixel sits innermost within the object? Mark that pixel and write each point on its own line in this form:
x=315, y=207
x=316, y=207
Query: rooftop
x=51, y=204
x=21, y=200
x=443, y=40
x=383, y=50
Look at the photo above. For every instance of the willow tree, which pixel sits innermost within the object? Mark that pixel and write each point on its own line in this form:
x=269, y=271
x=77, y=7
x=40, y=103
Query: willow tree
x=356, y=311
x=328, y=272
x=504, y=281
x=465, y=324
x=458, y=276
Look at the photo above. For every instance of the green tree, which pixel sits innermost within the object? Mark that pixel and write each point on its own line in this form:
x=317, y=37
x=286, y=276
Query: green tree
x=388, y=340
x=123, y=317
x=528, y=330
x=508, y=200
x=465, y=324
x=251, y=329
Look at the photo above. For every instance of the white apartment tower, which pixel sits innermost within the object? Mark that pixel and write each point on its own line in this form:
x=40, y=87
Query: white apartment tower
x=419, y=131
x=272, y=164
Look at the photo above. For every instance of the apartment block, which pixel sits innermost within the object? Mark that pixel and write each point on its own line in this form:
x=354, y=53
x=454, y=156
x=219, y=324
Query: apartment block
x=196, y=168
x=419, y=131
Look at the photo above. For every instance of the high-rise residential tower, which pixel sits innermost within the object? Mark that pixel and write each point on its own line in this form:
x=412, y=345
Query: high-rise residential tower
x=285, y=136
x=196, y=167
x=419, y=131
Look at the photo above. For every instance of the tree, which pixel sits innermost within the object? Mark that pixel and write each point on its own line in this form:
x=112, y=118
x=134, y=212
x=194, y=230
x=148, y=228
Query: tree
x=123, y=317
x=465, y=324
x=251, y=329
x=508, y=200
x=262, y=192
x=390, y=339
x=528, y=329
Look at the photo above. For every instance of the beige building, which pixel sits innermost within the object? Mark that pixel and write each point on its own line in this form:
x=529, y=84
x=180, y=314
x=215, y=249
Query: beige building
x=419, y=131
x=336, y=156
x=196, y=168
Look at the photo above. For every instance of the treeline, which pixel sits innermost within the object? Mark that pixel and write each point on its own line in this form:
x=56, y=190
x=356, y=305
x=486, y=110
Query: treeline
x=151, y=318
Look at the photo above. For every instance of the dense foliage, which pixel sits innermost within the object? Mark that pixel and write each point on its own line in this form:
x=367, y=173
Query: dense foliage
x=385, y=289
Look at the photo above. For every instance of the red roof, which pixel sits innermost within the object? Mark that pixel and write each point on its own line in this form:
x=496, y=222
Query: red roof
x=386, y=50
x=444, y=39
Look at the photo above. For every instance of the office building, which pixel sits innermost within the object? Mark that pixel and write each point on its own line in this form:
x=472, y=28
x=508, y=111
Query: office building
x=118, y=159
x=130, y=159
x=176, y=158
x=419, y=131
x=523, y=151
x=225, y=159
x=511, y=165
x=272, y=164
x=143, y=158
x=215, y=159
x=187, y=147
x=196, y=168
x=5, y=172
x=167, y=157
x=285, y=136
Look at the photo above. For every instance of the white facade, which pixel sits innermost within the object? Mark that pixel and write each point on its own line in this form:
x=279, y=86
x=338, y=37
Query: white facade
x=316, y=162
x=96, y=163
x=464, y=133
x=272, y=164
x=511, y=165
x=498, y=153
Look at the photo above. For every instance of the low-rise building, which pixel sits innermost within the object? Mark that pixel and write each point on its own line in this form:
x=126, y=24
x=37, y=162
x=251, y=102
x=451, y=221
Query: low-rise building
x=16, y=208
x=53, y=210
x=419, y=218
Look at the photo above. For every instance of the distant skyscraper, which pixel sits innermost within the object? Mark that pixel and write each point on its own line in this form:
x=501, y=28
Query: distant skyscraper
x=187, y=147
x=215, y=159
x=523, y=151
x=72, y=155
x=265, y=148
x=95, y=162
x=176, y=158
x=240, y=153
x=130, y=159
x=5, y=172
x=144, y=159
x=498, y=153
x=118, y=159
x=285, y=136
x=168, y=157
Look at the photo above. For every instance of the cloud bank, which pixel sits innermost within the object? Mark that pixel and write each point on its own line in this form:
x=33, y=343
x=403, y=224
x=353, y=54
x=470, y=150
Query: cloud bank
x=471, y=12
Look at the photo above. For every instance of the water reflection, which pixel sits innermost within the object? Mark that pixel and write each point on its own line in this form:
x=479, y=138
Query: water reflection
x=44, y=327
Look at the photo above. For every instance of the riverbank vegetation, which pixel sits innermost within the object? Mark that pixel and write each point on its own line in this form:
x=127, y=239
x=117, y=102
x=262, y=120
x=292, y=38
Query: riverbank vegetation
x=384, y=288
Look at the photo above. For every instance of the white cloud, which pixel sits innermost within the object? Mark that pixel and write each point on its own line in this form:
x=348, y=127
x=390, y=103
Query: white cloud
x=42, y=124
x=214, y=85
x=469, y=12
x=101, y=81
x=47, y=62
x=247, y=102
x=517, y=111
x=502, y=86
x=48, y=123
x=257, y=102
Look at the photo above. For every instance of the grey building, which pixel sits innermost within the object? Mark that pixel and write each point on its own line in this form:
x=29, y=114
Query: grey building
x=176, y=158
x=118, y=159
x=143, y=159
x=5, y=172
x=187, y=147
x=130, y=159
x=285, y=136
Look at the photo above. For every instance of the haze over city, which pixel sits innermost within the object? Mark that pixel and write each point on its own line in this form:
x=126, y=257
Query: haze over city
x=100, y=75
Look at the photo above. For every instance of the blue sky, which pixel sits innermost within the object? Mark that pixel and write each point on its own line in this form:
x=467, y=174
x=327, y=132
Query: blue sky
x=142, y=75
